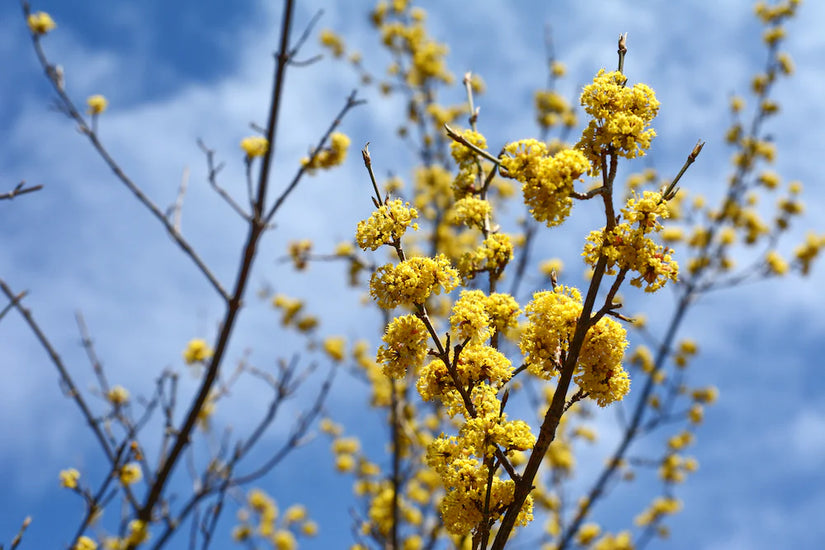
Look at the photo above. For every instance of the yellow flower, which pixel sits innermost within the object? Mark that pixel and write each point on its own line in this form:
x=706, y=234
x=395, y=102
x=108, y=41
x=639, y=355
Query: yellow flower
x=309, y=528
x=295, y=513
x=97, y=104
x=85, y=543
x=405, y=346
x=68, y=478
x=118, y=395
x=41, y=22
x=138, y=533
x=197, y=351
x=130, y=473
x=386, y=225
x=331, y=156
x=335, y=346
x=284, y=540
x=255, y=146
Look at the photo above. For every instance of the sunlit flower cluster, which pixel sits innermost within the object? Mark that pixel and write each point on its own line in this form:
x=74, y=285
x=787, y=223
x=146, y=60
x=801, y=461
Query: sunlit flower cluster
x=197, y=351
x=621, y=118
x=552, y=319
x=329, y=157
x=259, y=518
x=547, y=181
x=492, y=256
x=412, y=281
x=386, y=225
x=472, y=211
x=404, y=346
x=40, y=23
x=254, y=146
x=464, y=183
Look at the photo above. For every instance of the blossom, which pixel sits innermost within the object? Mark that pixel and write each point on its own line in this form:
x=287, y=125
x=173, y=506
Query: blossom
x=472, y=211
x=552, y=317
x=470, y=320
x=97, y=104
x=412, y=281
x=118, y=395
x=40, y=22
x=68, y=478
x=295, y=513
x=197, y=351
x=130, y=473
x=254, y=146
x=332, y=41
x=404, y=346
x=329, y=157
x=334, y=346
x=85, y=543
x=547, y=181
x=386, y=225
x=621, y=117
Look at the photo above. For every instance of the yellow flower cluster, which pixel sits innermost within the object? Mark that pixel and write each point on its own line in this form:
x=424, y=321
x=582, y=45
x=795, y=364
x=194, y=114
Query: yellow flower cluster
x=97, y=104
x=117, y=396
x=468, y=165
x=552, y=318
x=412, y=281
x=412, y=41
x=68, y=478
x=547, y=181
x=432, y=188
x=629, y=248
x=476, y=363
x=254, y=146
x=660, y=507
x=552, y=109
x=299, y=252
x=459, y=461
x=404, y=346
x=472, y=211
x=493, y=255
x=332, y=156
x=476, y=316
x=386, y=225
x=85, y=543
x=130, y=473
x=40, y=22
x=266, y=525
x=333, y=42
x=335, y=347
x=291, y=308
x=621, y=118
x=197, y=351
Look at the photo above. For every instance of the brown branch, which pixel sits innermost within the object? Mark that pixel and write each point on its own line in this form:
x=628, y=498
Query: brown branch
x=19, y=189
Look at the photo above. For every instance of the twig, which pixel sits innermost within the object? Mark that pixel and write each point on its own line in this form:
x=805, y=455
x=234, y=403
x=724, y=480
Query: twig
x=19, y=189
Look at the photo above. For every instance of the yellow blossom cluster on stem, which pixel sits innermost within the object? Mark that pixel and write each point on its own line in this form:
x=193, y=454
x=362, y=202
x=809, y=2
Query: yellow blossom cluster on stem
x=404, y=346
x=547, y=181
x=412, y=281
x=621, y=117
x=552, y=318
x=331, y=156
x=260, y=519
x=386, y=225
x=254, y=146
x=40, y=23
x=628, y=247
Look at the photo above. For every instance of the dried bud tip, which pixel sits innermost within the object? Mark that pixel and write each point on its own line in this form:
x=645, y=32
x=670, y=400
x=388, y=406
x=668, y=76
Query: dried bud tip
x=696, y=150
x=365, y=153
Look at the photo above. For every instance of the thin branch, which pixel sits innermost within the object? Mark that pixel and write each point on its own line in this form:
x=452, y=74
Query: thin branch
x=19, y=189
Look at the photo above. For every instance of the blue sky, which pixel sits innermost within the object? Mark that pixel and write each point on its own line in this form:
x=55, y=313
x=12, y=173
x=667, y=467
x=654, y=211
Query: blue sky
x=175, y=73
